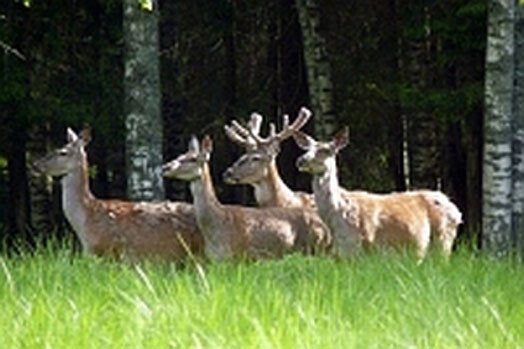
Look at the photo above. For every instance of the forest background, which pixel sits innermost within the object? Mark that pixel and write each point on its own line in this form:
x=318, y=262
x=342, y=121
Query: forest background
x=407, y=77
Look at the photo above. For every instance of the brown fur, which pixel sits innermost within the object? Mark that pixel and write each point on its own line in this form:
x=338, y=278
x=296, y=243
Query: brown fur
x=235, y=231
x=142, y=230
x=358, y=218
x=136, y=230
x=400, y=219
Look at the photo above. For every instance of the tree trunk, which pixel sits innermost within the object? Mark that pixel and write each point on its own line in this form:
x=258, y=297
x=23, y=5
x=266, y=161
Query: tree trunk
x=40, y=186
x=238, y=193
x=473, y=145
x=397, y=123
x=142, y=103
x=497, y=183
x=290, y=88
x=421, y=126
x=518, y=133
x=19, y=213
x=318, y=69
x=98, y=148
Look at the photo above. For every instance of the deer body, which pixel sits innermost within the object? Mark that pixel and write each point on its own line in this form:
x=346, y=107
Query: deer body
x=358, y=218
x=119, y=228
x=234, y=231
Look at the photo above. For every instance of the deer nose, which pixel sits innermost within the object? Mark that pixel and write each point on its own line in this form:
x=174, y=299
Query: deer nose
x=36, y=167
x=227, y=176
x=166, y=168
x=300, y=162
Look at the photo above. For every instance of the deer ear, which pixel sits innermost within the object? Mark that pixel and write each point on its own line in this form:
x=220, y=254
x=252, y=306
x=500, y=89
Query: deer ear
x=85, y=135
x=193, y=144
x=303, y=140
x=341, y=138
x=207, y=145
x=71, y=135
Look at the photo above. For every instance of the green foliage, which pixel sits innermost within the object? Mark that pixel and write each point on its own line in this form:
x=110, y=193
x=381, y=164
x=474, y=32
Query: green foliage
x=54, y=299
x=146, y=5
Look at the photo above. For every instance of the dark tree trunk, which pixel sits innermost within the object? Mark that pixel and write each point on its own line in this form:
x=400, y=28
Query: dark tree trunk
x=422, y=131
x=290, y=85
x=473, y=145
x=235, y=194
x=98, y=148
x=396, y=136
x=40, y=186
x=19, y=210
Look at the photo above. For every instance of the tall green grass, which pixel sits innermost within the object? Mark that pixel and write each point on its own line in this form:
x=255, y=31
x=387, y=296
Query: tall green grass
x=54, y=300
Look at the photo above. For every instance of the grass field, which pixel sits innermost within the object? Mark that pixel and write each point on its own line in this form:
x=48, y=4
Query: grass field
x=54, y=300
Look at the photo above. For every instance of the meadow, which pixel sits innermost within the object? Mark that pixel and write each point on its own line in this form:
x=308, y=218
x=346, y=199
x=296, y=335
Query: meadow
x=53, y=299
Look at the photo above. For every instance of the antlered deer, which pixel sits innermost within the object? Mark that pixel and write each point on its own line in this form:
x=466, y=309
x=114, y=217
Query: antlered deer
x=258, y=166
x=361, y=218
x=118, y=228
x=235, y=231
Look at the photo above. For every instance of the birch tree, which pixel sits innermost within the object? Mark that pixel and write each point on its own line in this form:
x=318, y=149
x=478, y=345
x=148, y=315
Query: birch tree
x=518, y=132
x=497, y=180
x=142, y=105
x=318, y=69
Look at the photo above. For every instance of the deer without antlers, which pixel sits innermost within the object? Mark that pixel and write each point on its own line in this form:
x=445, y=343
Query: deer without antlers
x=258, y=167
x=118, y=228
x=235, y=231
x=355, y=218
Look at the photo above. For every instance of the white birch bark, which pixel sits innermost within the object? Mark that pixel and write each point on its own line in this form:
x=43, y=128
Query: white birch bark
x=497, y=181
x=320, y=84
x=518, y=133
x=142, y=103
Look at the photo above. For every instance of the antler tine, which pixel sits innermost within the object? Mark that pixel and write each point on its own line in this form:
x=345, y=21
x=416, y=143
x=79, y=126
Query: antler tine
x=247, y=137
x=255, y=123
x=303, y=117
x=241, y=130
x=272, y=130
x=235, y=137
x=287, y=130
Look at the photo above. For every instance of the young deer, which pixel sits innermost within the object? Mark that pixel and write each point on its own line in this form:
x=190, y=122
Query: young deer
x=258, y=166
x=113, y=227
x=236, y=231
x=361, y=218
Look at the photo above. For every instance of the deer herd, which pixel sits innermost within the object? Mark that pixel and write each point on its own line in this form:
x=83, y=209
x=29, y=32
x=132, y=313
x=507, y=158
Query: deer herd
x=332, y=220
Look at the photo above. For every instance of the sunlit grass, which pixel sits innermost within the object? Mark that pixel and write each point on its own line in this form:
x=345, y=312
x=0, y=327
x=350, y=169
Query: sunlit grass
x=54, y=300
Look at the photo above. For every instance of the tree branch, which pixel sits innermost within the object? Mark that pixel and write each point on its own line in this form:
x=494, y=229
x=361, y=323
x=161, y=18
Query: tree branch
x=12, y=50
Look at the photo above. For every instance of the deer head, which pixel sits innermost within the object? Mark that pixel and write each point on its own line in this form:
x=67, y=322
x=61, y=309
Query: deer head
x=253, y=166
x=319, y=155
x=189, y=166
x=67, y=158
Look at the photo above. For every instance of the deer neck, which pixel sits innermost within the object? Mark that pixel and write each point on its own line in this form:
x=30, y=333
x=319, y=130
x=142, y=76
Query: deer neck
x=204, y=197
x=326, y=188
x=77, y=198
x=272, y=191
x=210, y=216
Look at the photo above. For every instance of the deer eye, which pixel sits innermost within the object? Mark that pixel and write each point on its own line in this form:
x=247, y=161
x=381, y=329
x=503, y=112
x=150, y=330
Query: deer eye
x=63, y=152
x=189, y=159
x=323, y=152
